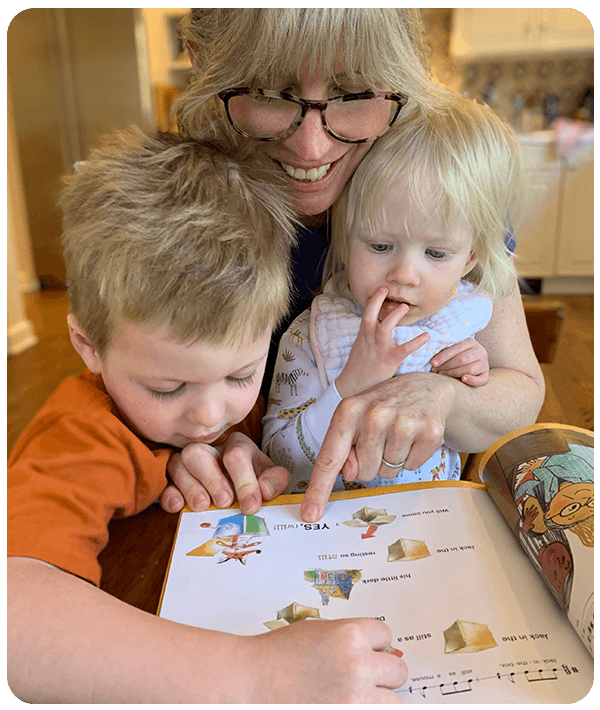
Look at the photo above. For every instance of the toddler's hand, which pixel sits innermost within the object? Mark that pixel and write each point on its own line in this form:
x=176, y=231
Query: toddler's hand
x=467, y=361
x=204, y=474
x=374, y=357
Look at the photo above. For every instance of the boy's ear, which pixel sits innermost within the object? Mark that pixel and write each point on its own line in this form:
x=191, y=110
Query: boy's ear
x=83, y=346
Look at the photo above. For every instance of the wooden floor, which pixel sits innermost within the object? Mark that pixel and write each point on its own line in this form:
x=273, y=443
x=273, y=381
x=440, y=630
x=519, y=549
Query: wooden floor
x=34, y=374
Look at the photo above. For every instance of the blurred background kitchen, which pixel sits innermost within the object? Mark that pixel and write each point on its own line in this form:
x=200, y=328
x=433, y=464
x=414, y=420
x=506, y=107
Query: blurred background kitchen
x=75, y=74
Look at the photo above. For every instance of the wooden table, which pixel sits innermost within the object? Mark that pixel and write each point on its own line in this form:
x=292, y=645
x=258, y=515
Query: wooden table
x=134, y=562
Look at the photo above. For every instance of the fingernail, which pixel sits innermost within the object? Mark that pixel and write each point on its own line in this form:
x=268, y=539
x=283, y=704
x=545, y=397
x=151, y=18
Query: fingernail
x=269, y=487
x=222, y=499
x=249, y=504
x=310, y=513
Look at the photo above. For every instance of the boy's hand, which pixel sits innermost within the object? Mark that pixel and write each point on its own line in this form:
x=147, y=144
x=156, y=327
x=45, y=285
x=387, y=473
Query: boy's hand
x=374, y=356
x=299, y=666
x=467, y=361
x=204, y=474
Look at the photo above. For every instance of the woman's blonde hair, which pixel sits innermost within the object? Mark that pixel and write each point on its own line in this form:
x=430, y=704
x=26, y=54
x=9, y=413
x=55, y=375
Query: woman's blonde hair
x=175, y=232
x=382, y=48
x=460, y=160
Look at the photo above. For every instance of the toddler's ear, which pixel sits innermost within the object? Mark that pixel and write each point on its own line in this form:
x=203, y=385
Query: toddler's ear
x=83, y=346
x=472, y=260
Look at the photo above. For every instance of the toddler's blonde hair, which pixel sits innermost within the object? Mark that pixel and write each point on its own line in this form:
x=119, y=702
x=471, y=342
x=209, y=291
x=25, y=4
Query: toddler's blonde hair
x=169, y=231
x=460, y=160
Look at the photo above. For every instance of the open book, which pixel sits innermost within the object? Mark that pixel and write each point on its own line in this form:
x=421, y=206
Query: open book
x=488, y=589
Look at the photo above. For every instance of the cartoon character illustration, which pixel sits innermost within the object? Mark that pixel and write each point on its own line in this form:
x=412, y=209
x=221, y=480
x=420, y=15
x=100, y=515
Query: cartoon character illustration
x=555, y=493
x=232, y=538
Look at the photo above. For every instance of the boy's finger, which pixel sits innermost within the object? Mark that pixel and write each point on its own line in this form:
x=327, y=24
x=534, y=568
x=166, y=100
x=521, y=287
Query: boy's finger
x=238, y=462
x=273, y=481
x=171, y=500
x=203, y=474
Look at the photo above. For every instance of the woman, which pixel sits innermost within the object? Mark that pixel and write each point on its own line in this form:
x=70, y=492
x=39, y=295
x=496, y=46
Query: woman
x=255, y=72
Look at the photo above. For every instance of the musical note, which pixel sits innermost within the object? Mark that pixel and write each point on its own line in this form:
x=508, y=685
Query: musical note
x=455, y=688
x=551, y=675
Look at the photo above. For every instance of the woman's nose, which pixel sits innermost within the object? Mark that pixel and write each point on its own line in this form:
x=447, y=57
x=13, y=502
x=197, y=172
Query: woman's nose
x=310, y=141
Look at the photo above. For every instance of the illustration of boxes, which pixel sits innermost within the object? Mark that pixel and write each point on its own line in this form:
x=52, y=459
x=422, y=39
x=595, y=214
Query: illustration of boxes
x=468, y=637
x=407, y=550
x=291, y=614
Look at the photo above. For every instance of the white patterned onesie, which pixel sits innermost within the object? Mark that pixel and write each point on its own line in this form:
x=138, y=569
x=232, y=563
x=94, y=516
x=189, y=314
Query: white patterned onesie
x=313, y=352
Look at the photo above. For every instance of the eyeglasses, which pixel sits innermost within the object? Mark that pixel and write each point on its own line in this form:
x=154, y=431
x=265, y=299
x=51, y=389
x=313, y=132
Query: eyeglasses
x=270, y=115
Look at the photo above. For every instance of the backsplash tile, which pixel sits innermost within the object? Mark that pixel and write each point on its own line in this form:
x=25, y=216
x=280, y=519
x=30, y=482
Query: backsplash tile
x=503, y=85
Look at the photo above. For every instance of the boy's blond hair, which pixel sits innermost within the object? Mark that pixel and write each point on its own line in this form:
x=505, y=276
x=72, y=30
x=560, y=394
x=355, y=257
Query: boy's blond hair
x=460, y=160
x=169, y=231
x=380, y=48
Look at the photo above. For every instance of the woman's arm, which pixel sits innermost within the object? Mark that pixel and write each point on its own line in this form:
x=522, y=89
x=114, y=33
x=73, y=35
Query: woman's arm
x=515, y=392
x=410, y=416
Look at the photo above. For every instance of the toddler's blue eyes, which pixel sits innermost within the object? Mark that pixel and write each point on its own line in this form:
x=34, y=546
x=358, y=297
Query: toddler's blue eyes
x=434, y=254
x=380, y=248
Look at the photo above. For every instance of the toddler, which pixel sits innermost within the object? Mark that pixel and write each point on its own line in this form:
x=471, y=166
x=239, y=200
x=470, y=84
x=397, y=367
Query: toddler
x=419, y=252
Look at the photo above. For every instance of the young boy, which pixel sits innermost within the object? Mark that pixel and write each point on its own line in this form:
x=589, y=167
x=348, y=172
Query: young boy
x=177, y=263
x=426, y=209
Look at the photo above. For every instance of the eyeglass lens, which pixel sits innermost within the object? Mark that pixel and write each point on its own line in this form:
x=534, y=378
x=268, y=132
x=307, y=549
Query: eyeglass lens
x=268, y=117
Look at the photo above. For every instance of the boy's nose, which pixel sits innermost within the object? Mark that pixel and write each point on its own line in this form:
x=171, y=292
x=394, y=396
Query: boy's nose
x=208, y=412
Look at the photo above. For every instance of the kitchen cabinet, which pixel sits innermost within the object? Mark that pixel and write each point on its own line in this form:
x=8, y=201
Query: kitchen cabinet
x=555, y=229
x=489, y=33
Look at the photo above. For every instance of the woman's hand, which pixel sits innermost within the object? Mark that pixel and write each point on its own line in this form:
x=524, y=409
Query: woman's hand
x=402, y=419
x=202, y=474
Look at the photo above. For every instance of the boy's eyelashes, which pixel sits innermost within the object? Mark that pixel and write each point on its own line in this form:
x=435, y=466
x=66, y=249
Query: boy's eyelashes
x=178, y=391
x=242, y=381
x=168, y=394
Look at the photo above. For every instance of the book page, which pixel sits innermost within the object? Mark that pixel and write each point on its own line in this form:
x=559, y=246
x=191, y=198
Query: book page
x=439, y=565
x=542, y=478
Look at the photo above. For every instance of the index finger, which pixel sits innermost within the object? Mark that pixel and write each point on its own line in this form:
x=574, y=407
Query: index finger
x=238, y=462
x=328, y=464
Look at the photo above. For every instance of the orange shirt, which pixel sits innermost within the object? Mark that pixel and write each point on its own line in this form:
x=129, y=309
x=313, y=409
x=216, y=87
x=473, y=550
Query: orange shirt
x=75, y=467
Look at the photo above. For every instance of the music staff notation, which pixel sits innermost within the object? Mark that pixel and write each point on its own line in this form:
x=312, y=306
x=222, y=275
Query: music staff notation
x=465, y=686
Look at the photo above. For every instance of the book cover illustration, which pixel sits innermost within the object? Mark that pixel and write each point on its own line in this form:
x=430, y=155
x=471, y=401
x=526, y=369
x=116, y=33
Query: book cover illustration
x=548, y=473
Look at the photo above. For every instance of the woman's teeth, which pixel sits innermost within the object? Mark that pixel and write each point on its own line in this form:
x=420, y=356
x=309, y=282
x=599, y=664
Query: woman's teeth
x=310, y=175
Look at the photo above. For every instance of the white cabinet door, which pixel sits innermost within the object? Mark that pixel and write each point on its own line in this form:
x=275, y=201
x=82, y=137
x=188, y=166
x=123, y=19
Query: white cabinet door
x=564, y=29
x=536, y=230
x=484, y=32
x=479, y=33
x=575, y=254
